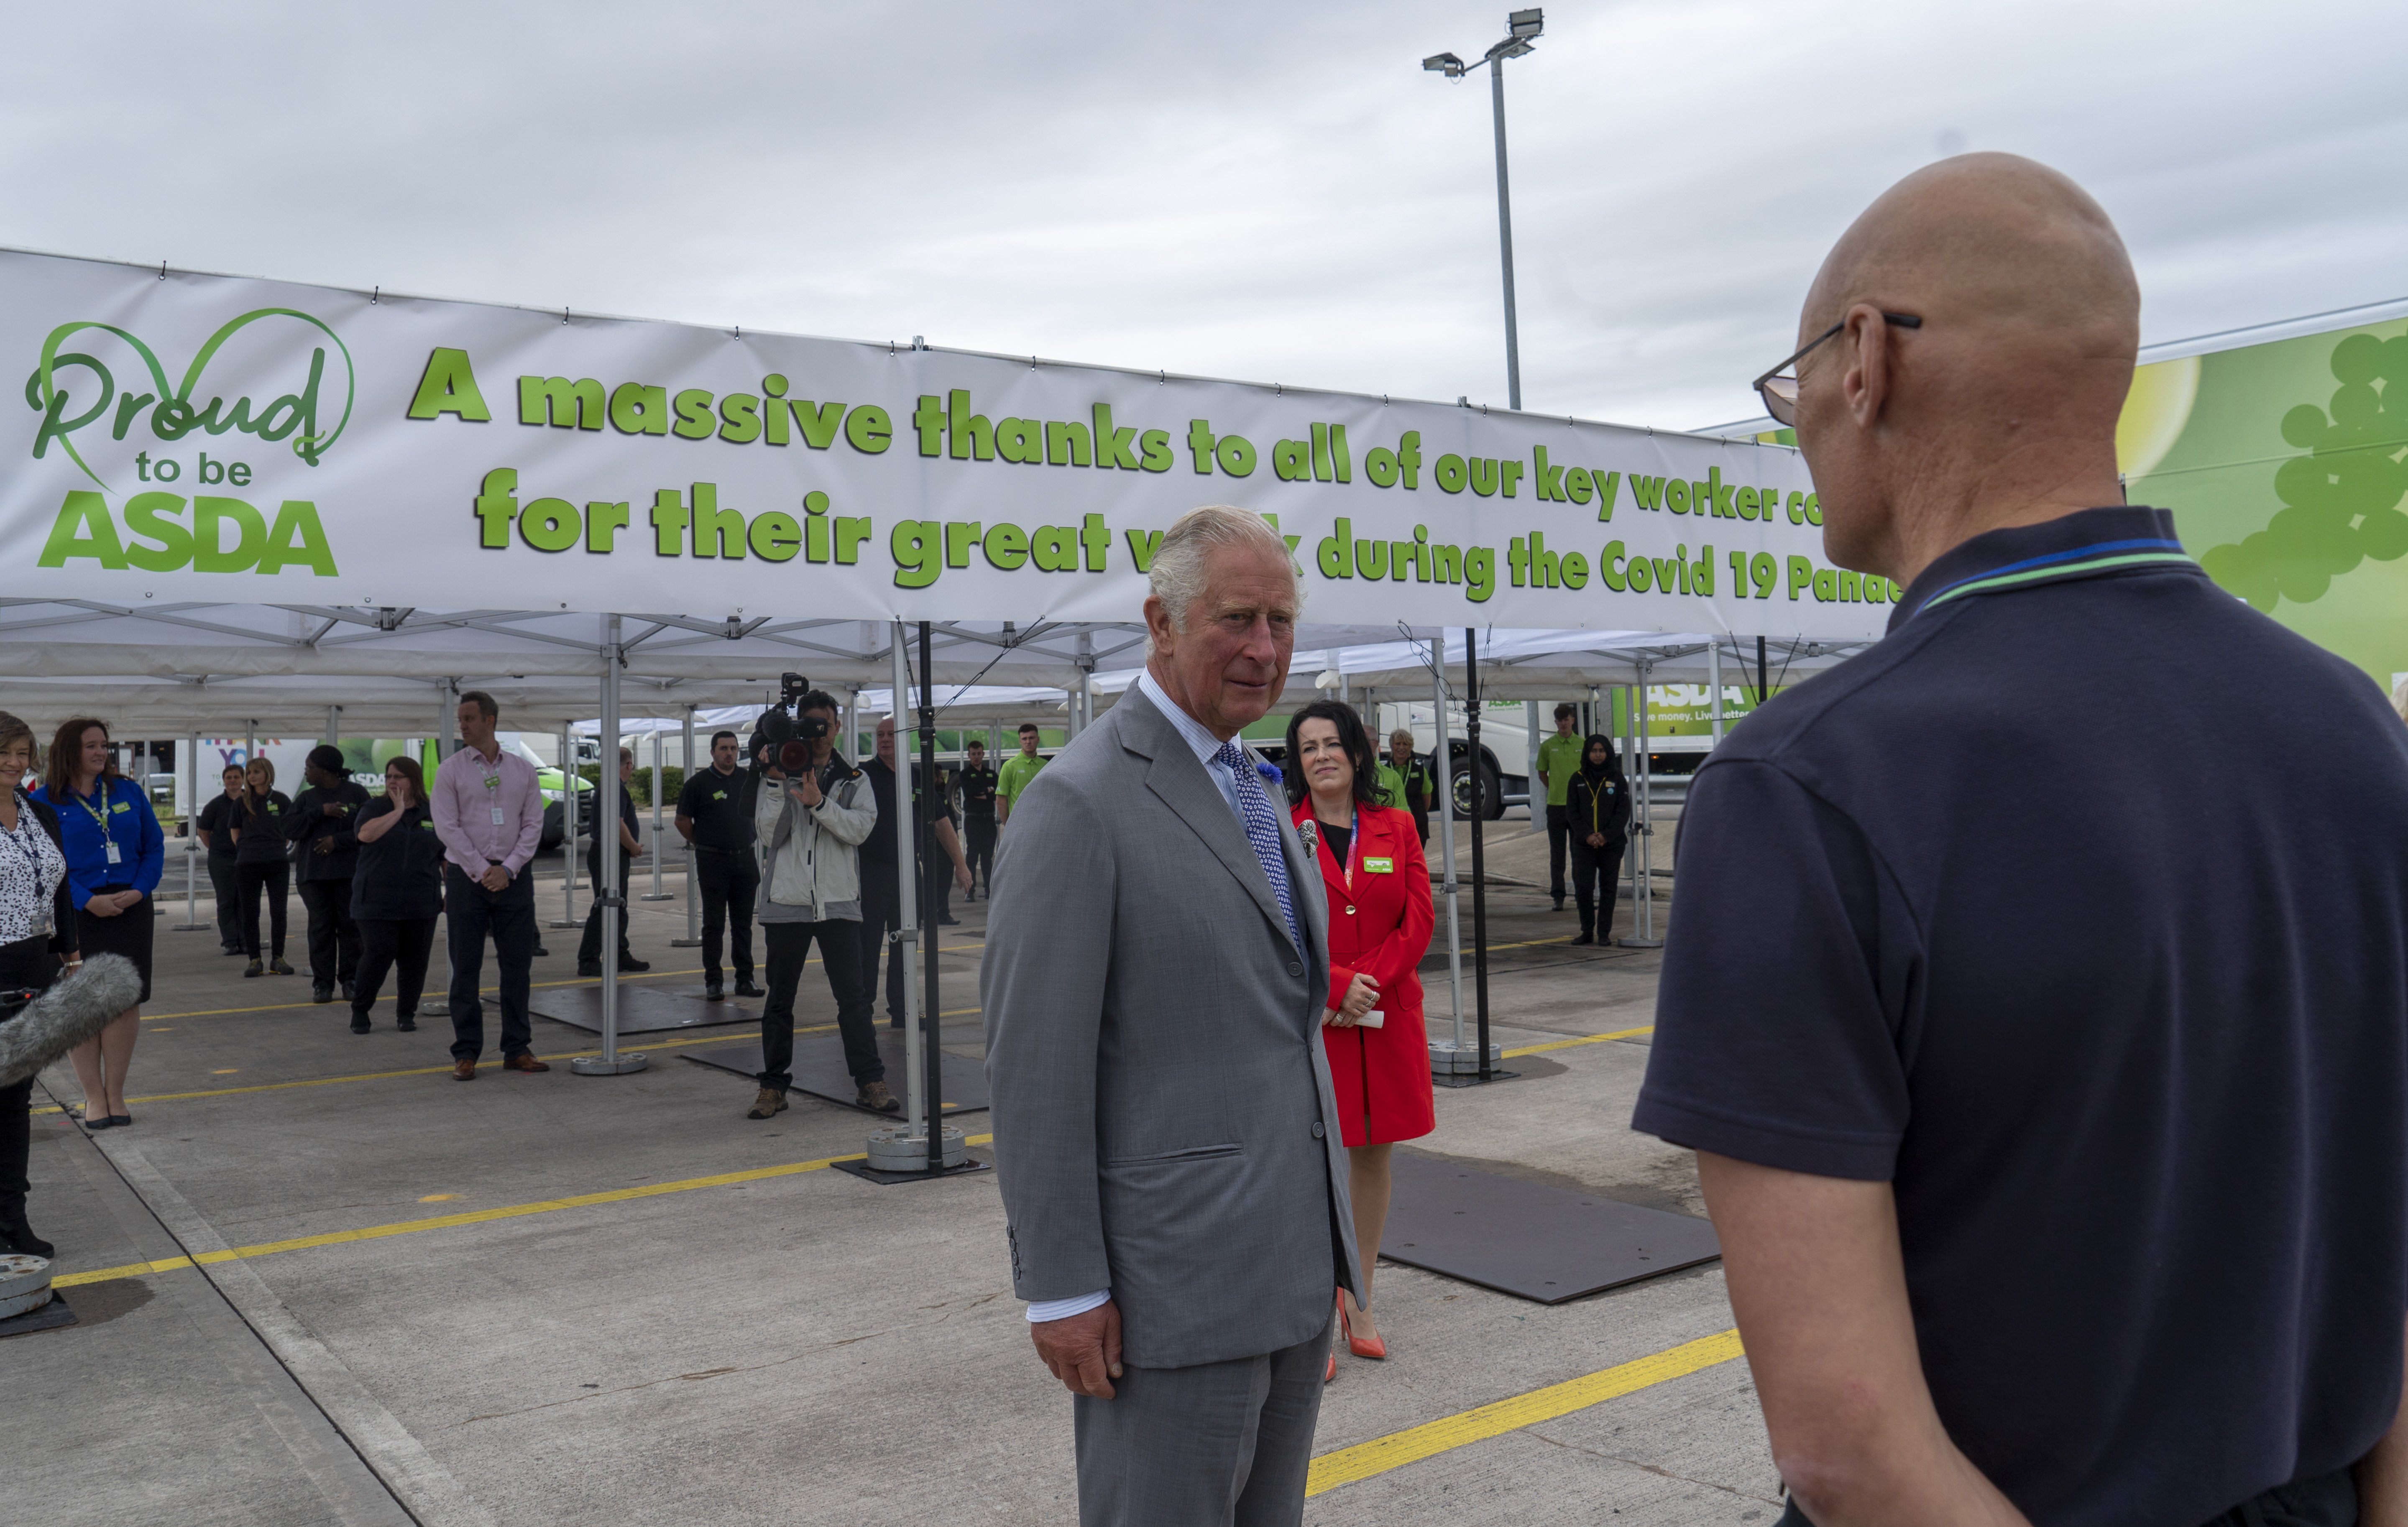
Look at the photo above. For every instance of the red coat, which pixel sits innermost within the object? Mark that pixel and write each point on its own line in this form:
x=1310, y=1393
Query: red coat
x=1379, y=924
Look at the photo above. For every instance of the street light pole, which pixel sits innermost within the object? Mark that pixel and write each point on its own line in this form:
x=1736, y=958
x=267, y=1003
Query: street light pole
x=1521, y=27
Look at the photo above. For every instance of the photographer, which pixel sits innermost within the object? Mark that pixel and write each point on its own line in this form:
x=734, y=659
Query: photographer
x=815, y=810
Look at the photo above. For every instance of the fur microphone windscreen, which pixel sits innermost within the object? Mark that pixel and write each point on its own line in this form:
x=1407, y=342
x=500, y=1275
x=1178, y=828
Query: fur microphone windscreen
x=66, y=1015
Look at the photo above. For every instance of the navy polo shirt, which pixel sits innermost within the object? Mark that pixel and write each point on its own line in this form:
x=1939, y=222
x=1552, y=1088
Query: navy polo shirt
x=2025, y=912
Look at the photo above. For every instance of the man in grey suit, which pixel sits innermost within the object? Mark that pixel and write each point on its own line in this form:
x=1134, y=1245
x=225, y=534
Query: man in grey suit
x=1156, y=973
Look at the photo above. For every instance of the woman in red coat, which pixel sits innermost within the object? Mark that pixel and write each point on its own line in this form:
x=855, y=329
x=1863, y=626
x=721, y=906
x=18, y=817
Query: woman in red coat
x=1379, y=893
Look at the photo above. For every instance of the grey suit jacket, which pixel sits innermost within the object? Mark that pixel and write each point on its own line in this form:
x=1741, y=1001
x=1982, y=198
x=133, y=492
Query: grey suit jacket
x=1164, y=1123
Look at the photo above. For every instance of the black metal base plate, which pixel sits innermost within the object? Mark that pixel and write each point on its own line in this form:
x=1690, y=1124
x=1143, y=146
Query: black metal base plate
x=48, y=1318
x=885, y=1179
x=642, y=1010
x=820, y=1070
x=1528, y=1239
x=1471, y=1079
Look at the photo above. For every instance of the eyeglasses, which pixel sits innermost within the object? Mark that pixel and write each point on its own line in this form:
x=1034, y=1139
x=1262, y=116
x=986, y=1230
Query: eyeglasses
x=1780, y=393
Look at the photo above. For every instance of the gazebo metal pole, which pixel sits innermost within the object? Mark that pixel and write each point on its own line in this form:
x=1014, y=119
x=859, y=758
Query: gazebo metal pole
x=440, y=1005
x=568, y=778
x=191, y=836
x=1643, y=832
x=1479, y=815
x=693, y=938
x=917, y=1111
x=613, y=893
x=1443, y=776
x=658, y=786
x=1715, y=682
x=932, y=1012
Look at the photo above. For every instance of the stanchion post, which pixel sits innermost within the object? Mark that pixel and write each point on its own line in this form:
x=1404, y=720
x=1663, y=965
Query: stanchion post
x=1479, y=865
x=191, y=837
x=918, y=1113
x=1444, y=1053
x=658, y=785
x=932, y=1011
x=611, y=895
x=439, y=1004
x=1643, y=833
x=693, y=939
x=568, y=827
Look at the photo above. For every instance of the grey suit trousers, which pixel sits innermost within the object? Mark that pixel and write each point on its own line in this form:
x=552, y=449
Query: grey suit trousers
x=1216, y=1445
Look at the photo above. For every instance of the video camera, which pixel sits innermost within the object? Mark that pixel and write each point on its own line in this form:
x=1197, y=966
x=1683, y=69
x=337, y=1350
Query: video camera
x=783, y=727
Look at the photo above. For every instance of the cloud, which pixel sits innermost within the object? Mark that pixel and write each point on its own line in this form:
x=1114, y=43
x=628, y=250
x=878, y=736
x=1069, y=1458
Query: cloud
x=1245, y=189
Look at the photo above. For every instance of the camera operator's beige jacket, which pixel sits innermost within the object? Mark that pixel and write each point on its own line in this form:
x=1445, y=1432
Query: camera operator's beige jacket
x=814, y=852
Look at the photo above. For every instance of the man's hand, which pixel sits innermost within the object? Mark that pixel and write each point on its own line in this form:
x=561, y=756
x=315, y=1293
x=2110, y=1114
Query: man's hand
x=1084, y=1350
x=805, y=788
x=332, y=808
x=324, y=844
x=962, y=877
x=495, y=878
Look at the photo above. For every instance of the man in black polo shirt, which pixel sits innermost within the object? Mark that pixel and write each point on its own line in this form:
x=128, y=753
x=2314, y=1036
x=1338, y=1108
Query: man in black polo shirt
x=715, y=817
x=977, y=779
x=2059, y=1157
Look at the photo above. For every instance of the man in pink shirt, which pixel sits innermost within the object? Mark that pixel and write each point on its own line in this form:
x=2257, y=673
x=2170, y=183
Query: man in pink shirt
x=489, y=814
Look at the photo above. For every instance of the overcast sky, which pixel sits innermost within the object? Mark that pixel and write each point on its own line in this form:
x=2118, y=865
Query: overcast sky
x=1273, y=192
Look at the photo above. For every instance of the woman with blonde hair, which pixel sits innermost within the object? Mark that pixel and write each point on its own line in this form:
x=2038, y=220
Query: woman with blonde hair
x=115, y=855
x=259, y=863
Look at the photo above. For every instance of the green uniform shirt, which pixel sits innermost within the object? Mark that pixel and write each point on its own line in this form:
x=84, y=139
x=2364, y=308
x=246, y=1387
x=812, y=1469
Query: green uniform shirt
x=1560, y=757
x=1013, y=778
x=1392, y=787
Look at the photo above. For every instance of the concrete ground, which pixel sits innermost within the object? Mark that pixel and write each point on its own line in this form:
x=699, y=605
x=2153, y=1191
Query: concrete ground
x=781, y=1344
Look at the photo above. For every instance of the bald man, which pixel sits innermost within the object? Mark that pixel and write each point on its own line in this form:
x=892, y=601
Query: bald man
x=2059, y=1157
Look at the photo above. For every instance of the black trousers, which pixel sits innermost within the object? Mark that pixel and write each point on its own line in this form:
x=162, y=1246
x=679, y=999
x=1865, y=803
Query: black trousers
x=1593, y=872
x=978, y=845
x=27, y=963
x=589, y=949
x=1559, y=836
x=274, y=878
x=789, y=947
x=334, y=938
x=385, y=942
x=227, y=886
x=729, y=883
x=881, y=914
x=2328, y=1499
x=469, y=913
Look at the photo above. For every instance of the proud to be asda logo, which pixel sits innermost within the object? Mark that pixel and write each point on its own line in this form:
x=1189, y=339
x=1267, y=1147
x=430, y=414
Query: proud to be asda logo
x=155, y=439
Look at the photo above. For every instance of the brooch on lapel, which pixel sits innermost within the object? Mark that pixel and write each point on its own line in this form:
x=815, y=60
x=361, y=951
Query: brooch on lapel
x=1310, y=831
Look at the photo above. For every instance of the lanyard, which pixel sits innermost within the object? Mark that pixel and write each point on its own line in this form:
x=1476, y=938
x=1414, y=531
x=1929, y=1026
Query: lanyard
x=99, y=817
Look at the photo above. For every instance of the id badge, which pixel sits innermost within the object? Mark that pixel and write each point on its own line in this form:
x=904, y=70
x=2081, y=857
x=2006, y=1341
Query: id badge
x=1380, y=867
x=114, y=854
x=497, y=818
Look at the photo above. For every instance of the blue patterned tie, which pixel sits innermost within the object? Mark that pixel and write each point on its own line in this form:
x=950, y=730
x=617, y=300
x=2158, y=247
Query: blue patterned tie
x=1262, y=830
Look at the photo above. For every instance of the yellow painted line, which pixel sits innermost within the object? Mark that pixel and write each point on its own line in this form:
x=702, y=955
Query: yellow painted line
x=438, y=1070
x=1584, y=1039
x=1345, y=1465
x=451, y=1222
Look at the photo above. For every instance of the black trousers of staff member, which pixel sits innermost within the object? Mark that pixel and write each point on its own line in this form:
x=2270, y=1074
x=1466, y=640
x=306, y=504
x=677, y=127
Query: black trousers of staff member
x=978, y=845
x=334, y=938
x=470, y=912
x=398, y=947
x=1559, y=836
x=589, y=949
x=789, y=947
x=1593, y=885
x=274, y=878
x=225, y=884
x=26, y=965
x=729, y=880
x=881, y=914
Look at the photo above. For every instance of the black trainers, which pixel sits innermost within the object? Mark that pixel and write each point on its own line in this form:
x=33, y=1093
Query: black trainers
x=1585, y=938
x=322, y=993
x=589, y=967
x=714, y=991
x=348, y=993
x=744, y=987
x=1559, y=903
x=629, y=963
x=254, y=968
x=359, y=1026
x=278, y=966
x=406, y=1024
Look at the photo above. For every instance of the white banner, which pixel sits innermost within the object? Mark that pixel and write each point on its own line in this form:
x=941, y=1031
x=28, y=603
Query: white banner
x=200, y=437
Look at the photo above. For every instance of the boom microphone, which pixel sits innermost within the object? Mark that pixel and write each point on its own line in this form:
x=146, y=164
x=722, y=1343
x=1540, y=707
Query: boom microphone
x=66, y=1015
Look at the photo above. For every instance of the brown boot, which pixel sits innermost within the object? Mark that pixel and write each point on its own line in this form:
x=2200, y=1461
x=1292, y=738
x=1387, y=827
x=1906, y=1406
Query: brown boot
x=768, y=1104
x=463, y=1071
x=524, y=1062
x=876, y=1096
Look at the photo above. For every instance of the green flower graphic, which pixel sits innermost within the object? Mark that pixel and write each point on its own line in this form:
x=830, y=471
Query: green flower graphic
x=2341, y=500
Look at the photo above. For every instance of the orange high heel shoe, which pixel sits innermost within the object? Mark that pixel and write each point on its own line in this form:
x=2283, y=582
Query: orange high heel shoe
x=1375, y=1348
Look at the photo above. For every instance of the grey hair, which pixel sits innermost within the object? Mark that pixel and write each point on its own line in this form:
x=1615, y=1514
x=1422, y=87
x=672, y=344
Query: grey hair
x=1176, y=573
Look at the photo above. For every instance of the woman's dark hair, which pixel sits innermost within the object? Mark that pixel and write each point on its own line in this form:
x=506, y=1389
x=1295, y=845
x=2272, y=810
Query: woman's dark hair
x=407, y=769
x=66, y=754
x=1612, y=756
x=1351, y=736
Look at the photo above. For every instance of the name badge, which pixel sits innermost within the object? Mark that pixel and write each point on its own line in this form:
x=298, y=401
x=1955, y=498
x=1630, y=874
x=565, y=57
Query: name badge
x=1380, y=867
x=498, y=816
x=114, y=856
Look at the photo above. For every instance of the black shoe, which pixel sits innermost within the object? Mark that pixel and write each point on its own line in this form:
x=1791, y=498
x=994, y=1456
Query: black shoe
x=1559, y=903
x=348, y=993
x=359, y=1026
x=628, y=962
x=233, y=949
x=1585, y=938
x=103, y=1122
x=254, y=968
x=589, y=967
x=278, y=967
x=406, y=1024
x=949, y=920
x=714, y=991
x=744, y=987
x=322, y=993
x=17, y=1236
x=542, y=953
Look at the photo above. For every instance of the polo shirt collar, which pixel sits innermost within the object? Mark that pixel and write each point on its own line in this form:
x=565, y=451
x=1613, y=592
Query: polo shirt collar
x=2087, y=543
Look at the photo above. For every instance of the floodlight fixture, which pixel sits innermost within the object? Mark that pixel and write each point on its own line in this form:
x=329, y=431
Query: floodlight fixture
x=1446, y=64
x=1527, y=24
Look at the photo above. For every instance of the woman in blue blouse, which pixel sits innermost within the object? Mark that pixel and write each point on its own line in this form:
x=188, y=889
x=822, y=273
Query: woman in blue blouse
x=115, y=855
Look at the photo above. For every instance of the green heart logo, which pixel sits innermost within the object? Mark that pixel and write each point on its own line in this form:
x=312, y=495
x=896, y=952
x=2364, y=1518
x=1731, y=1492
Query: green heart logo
x=172, y=413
